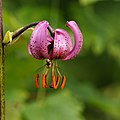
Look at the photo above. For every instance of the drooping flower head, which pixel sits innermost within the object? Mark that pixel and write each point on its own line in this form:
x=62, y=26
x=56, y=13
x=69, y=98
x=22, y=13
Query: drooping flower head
x=49, y=44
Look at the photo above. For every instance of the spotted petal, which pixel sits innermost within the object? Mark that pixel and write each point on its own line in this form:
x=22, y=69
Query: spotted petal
x=78, y=40
x=37, y=46
x=62, y=44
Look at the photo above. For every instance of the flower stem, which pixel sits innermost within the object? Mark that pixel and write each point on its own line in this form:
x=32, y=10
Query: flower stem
x=50, y=29
x=23, y=29
x=2, y=86
x=2, y=92
x=19, y=32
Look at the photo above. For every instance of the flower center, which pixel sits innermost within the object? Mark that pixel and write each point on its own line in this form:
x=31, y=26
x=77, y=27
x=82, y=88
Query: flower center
x=51, y=66
x=50, y=48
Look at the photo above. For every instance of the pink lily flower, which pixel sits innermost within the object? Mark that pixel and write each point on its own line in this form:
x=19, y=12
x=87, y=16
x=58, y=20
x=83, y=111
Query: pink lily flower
x=52, y=46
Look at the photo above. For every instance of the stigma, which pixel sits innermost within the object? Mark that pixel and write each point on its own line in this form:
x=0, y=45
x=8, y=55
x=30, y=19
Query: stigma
x=56, y=77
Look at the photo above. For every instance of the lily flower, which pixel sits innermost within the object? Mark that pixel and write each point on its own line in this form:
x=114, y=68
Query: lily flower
x=46, y=43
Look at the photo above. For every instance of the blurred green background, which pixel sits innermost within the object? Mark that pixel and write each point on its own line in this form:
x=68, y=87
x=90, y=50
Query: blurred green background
x=92, y=91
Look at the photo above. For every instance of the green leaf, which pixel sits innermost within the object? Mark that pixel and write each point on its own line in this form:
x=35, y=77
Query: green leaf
x=87, y=2
x=14, y=102
x=55, y=107
x=100, y=26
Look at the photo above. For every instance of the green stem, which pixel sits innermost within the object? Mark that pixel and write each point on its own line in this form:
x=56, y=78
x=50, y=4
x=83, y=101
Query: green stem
x=2, y=85
x=23, y=29
x=20, y=31
x=2, y=95
x=50, y=29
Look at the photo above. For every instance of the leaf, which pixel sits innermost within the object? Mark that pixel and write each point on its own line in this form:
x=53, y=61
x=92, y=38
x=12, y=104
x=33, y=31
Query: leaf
x=100, y=26
x=14, y=102
x=84, y=78
x=87, y=2
x=8, y=37
x=55, y=107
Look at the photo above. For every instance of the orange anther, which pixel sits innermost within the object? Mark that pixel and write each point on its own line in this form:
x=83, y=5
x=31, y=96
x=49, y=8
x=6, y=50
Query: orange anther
x=53, y=82
x=44, y=82
x=57, y=82
x=63, y=82
x=36, y=80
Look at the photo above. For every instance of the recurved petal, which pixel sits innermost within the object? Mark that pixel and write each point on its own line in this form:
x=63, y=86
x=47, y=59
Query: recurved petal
x=33, y=53
x=29, y=51
x=37, y=46
x=78, y=40
x=62, y=44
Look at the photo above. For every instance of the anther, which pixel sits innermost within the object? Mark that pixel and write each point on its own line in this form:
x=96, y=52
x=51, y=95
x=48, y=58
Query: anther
x=63, y=82
x=53, y=82
x=36, y=80
x=44, y=82
x=57, y=82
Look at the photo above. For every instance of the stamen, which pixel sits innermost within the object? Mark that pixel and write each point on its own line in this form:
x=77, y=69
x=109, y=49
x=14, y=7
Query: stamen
x=36, y=80
x=57, y=82
x=63, y=82
x=53, y=81
x=58, y=70
x=44, y=82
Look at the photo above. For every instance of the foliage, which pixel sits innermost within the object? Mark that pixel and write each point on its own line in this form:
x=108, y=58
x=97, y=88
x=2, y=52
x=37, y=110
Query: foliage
x=92, y=91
